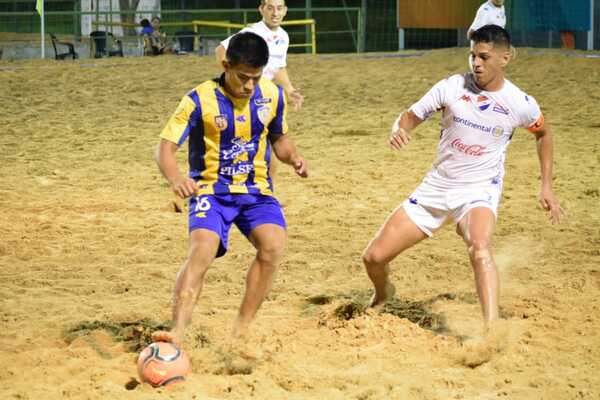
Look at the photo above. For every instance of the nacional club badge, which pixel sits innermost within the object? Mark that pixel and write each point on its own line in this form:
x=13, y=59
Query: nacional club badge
x=221, y=122
x=483, y=102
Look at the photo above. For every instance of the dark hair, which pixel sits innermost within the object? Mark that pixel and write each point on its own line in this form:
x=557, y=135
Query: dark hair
x=492, y=34
x=156, y=17
x=145, y=23
x=249, y=49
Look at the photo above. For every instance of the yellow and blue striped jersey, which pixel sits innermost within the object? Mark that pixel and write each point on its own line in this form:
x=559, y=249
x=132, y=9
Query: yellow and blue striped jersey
x=228, y=138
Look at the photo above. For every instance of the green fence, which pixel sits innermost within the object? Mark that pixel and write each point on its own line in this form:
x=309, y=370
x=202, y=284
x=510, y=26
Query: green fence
x=338, y=29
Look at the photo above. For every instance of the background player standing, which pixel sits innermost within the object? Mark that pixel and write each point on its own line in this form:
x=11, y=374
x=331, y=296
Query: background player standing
x=273, y=12
x=481, y=111
x=489, y=13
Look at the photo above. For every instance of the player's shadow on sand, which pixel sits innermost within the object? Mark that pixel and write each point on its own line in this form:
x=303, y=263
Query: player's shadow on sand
x=417, y=312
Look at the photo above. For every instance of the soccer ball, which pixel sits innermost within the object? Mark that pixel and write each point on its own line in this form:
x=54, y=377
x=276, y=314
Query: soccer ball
x=163, y=363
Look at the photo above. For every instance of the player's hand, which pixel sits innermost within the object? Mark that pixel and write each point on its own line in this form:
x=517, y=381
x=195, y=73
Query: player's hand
x=399, y=138
x=185, y=187
x=295, y=98
x=550, y=203
x=301, y=167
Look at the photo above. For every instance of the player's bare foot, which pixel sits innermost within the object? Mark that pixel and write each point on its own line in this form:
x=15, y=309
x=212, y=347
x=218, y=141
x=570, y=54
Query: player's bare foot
x=166, y=336
x=380, y=299
x=240, y=328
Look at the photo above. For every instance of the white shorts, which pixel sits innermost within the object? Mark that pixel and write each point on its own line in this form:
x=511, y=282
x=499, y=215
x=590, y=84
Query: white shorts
x=430, y=205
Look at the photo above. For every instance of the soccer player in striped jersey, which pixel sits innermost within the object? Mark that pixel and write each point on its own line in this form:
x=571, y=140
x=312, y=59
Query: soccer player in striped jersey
x=233, y=124
x=480, y=113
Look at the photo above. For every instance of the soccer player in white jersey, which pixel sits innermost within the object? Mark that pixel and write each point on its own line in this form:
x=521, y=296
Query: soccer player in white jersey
x=480, y=112
x=273, y=12
x=490, y=13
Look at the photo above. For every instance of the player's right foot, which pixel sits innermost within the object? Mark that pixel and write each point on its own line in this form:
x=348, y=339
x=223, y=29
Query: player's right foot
x=380, y=299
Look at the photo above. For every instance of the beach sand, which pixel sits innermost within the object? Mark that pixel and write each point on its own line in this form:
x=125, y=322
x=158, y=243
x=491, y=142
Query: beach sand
x=90, y=242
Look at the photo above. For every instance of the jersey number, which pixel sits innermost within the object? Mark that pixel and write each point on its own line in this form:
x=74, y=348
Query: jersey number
x=202, y=204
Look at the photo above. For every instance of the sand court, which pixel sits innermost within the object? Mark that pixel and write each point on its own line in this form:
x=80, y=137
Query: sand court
x=90, y=241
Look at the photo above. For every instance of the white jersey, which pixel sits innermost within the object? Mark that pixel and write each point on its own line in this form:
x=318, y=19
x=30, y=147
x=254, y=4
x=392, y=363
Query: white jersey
x=489, y=14
x=476, y=128
x=278, y=42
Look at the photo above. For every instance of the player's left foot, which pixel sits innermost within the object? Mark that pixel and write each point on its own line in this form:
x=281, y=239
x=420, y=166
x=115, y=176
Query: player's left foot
x=380, y=299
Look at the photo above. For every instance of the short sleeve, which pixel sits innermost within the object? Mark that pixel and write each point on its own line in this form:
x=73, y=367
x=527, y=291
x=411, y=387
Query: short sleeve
x=225, y=43
x=531, y=116
x=182, y=121
x=434, y=100
x=480, y=18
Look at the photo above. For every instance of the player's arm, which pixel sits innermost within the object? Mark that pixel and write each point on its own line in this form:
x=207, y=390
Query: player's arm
x=545, y=150
x=478, y=22
x=295, y=98
x=167, y=163
x=402, y=128
x=286, y=152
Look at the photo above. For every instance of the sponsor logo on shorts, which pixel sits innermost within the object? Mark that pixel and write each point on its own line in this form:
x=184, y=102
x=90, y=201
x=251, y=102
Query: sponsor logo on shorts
x=412, y=200
x=221, y=122
x=475, y=150
x=240, y=118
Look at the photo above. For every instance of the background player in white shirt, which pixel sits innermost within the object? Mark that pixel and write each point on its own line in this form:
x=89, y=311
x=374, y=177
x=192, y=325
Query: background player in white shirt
x=490, y=13
x=480, y=112
x=273, y=13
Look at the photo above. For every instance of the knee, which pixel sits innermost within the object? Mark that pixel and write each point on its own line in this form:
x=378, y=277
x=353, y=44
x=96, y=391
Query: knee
x=480, y=252
x=270, y=253
x=372, y=258
x=478, y=246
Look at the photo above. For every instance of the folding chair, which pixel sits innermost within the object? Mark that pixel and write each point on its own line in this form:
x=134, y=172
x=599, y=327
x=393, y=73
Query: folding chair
x=62, y=56
x=105, y=45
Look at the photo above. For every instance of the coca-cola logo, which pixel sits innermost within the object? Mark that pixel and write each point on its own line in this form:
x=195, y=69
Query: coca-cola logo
x=469, y=149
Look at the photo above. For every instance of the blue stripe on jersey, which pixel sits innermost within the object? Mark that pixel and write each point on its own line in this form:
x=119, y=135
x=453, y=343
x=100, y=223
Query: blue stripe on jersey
x=276, y=126
x=257, y=128
x=227, y=136
x=196, y=147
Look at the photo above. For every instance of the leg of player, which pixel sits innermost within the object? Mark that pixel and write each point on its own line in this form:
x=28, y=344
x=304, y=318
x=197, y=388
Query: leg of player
x=476, y=228
x=204, y=245
x=269, y=241
x=397, y=234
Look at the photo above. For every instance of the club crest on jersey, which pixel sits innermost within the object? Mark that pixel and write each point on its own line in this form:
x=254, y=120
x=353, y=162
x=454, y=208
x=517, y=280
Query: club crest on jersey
x=263, y=114
x=483, y=103
x=221, y=122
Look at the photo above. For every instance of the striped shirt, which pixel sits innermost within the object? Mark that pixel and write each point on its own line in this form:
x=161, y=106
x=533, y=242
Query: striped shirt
x=229, y=138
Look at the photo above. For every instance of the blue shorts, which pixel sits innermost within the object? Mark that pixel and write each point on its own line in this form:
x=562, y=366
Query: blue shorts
x=216, y=212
